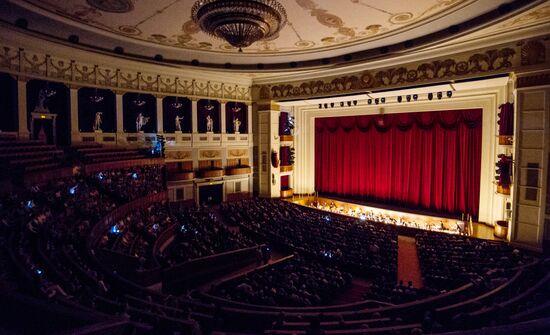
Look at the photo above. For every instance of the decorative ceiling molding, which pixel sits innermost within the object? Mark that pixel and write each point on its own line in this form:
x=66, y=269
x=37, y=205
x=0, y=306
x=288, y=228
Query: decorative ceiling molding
x=511, y=57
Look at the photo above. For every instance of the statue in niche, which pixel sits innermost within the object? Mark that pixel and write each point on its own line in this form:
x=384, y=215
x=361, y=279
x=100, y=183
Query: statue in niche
x=236, y=125
x=97, y=121
x=140, y=122
x=40, y=108
x=178, y=122
x=209, y=124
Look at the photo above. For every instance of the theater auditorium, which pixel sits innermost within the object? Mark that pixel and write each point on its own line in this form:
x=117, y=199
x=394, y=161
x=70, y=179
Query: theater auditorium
x=239, y=167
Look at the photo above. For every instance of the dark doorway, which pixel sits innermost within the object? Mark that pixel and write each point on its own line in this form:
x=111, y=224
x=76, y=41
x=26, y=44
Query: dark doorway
x=211, y=194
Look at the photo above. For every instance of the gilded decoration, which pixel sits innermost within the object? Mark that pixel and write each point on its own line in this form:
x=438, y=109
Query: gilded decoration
x=209, y=154
x=316, y=23
x=37, y=65
x=533, y=52
x=237, y=153
x=178, y=155
x=485, y=62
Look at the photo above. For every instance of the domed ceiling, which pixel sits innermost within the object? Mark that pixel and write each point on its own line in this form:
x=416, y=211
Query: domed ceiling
x=316, y=29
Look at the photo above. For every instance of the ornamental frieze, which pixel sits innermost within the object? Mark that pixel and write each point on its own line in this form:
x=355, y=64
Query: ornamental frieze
x=31, y=64
x=495, y=60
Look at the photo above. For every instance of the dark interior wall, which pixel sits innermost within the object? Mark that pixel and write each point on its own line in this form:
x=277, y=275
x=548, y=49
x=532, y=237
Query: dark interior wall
x=87, y=109
x=169, y=114
x=8, y=103
x=57, y=104
x=131, y=111
x=236, y=110
x=202, y=112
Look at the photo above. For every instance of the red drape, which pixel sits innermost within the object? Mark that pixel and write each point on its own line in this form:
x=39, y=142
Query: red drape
x=506, y=119
x=428, y=160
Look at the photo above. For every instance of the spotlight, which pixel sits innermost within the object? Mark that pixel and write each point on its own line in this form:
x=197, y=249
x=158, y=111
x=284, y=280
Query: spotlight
x=430, y=96
x=449, y=94
x=439, y=95
x=349, y=103
x=383, y=100
x=399, y=98
x=415, y=97
x=326, y=105
x=369, y=101
x=341, y=104
x=320, y=106
x=408, y=97
x=376, y=101
x=355, y=102
x=332, y=104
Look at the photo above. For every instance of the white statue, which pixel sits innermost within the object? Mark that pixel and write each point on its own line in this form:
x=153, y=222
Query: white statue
x=141, y=121
x=209, y=124
x=97, y=121
x=178, y=122
x=236, y=124
x=40, y=108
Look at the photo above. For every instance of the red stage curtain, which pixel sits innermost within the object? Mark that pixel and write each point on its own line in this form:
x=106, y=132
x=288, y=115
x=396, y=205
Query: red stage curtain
x=428, y=160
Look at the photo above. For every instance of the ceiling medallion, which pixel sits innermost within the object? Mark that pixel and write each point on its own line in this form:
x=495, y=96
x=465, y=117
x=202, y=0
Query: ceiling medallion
x=112, y=6
x=239, y=22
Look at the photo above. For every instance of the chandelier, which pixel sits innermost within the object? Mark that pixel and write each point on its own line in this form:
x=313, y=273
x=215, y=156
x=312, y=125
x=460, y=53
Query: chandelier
x=176, y=104
x=96, y=98
x=239, y=22
x=139, y=101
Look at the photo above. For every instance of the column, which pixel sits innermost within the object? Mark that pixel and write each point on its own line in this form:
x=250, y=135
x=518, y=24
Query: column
x=249, y=118
x=269, y=143
x=160, y=114
x=23, y=128
x=194, y=116
x=75, y=131
x=119, y=112
x=222, y=117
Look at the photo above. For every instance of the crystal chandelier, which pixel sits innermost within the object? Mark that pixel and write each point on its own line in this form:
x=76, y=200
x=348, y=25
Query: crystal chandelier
x=139, y=101
x=47, y=91
x=239, y=22
x=176, y=104
x=236, y=108
x=96, y=98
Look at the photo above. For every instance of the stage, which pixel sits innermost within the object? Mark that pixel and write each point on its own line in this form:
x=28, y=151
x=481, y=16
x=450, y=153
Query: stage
x=406, y=220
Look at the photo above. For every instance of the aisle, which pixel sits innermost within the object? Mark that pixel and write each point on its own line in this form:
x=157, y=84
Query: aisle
x=408, y=265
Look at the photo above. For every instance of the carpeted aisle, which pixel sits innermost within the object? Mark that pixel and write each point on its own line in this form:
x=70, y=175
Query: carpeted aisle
x=408, y=265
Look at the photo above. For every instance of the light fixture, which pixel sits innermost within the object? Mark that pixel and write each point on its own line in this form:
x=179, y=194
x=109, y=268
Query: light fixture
x=415, y=97
x=449, y=94
x=96, y=98
x=139, y=101
x=383, y=100
x=369, y=101
x=430, y=96
x=240, y=23
x=439, y=95
x=47, y=91
x=208, y=107
x=235, y=108
x=399, y=98
x=176, y=104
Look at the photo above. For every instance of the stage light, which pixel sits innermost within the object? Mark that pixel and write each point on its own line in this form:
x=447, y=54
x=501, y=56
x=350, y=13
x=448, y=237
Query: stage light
x=449, y=94
x=439, y=95
x=399, y=98
x=408, y=97
x=376, y=101
x=430, y=96
x=415, y=97
x=369, y=101
x=383, y=100
x=341, y=104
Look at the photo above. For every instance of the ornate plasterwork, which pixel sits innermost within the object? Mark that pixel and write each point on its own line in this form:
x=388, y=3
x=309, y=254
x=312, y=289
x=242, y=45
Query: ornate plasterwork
x=209, y=154
x=31, y=64
x=237, y=153
x=505, y=58
x=313, y=24
x=178, y=155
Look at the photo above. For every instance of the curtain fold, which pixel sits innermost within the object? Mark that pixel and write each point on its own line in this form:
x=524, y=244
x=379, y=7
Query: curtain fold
x=428, y=160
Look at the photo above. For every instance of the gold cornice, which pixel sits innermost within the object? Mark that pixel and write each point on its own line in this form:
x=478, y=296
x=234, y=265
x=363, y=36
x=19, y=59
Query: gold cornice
x=515, y=56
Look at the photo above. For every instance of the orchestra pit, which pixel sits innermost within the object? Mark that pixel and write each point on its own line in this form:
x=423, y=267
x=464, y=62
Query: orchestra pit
x=281, y=167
